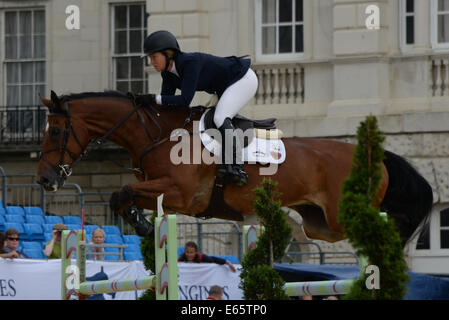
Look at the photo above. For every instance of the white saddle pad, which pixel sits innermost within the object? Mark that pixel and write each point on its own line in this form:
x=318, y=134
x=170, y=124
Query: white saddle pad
x=259, y=150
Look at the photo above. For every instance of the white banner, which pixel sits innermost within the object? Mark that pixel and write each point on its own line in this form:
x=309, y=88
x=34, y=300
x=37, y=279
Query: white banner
x=30, y=279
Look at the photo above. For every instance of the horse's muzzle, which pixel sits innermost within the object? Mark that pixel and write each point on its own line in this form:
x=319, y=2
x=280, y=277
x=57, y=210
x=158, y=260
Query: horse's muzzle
x=50, y=180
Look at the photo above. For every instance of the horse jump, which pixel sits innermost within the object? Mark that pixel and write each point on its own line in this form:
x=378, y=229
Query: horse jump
x=299, y=289
x=165, y=280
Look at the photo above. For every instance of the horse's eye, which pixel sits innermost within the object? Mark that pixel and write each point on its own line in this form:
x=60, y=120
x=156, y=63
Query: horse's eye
x=55, y=132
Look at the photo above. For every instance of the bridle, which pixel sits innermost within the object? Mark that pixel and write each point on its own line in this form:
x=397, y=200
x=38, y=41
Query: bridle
x=64, y=170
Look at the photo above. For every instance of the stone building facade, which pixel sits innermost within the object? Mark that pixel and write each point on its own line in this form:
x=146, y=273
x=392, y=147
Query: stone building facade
x=322, y=67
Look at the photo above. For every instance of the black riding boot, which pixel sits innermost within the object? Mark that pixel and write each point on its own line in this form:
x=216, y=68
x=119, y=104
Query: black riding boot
x=135, y=218
x=230, y=169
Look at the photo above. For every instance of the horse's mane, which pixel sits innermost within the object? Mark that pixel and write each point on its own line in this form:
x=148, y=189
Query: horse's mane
x=83, y=95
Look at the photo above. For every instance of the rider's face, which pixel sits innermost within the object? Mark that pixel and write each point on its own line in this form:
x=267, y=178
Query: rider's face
x=158, y=61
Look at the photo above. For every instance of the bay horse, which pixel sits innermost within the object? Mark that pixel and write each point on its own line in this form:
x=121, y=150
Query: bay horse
x=310, y=179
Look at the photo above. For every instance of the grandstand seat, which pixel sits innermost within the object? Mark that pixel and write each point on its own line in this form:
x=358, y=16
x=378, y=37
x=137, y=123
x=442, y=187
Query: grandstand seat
x=2, y=224
x=2, y=211
x=1, y=204
x=131, y=238
x=47, y=236
x=35, y=253
x=132, y=247
x=14, y=218
x=232, y=259
x=181, y=250
x=73, y=226
x=31, y=245
x=72, y=220
x=113, y=239
x=53, y=219
x=48, y=227
x=111, y=257
x=15, y=210
x=90, y=228
x=33, y=211
x=17, y=226
x=111, y=230
x=35, y=219
x=33, y=231
x=133, y=256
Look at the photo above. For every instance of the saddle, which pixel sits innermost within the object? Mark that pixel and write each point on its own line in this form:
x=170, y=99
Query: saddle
x=264, y=128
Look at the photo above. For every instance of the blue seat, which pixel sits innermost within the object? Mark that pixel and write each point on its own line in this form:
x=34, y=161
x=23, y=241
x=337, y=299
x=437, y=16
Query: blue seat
x=35, y=219
x=90, y=228
x=73, y=226
x=181, y=250
x=17, y=226
x=132, y=247
x=232, y=259
x=131, y=238
x=111, y=257
x=1, y=204
x=53, y=219
x=47, y=236
x=48, y=227
x=15, y=218
x=33, y=211
x=35, y=253
x=72, y=220
x=132, y=256
x=15, y=210
x=34, y=231
x=111, y=230
x=2, y=224
x=113, y=239
x=2, y=211
x=32, y=245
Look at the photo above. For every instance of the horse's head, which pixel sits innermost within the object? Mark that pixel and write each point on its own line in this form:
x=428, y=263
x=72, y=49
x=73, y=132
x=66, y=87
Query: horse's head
x=65, y=139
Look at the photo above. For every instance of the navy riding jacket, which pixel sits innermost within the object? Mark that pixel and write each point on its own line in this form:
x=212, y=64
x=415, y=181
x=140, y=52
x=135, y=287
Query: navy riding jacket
x=200, y=72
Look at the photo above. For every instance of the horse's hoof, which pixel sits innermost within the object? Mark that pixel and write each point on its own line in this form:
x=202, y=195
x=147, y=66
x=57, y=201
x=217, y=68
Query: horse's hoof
x=142, y=226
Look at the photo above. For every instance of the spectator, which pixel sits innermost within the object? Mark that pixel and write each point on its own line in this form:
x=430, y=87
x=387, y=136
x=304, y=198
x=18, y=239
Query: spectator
x=306, y=298
x=12, y=243
x=53, y=247
x=191, y=255
x=215, y=293
x=3, y=253
x=98, y=237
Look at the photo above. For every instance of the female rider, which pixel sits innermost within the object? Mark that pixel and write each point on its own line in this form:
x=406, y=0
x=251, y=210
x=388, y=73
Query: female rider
x=230, y=78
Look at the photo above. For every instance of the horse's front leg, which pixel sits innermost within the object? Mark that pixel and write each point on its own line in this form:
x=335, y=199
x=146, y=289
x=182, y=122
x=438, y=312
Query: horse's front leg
x=131, y=198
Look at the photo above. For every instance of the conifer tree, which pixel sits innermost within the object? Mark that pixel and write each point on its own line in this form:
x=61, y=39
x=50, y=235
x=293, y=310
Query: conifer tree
x=259, y=279
x=371, y=235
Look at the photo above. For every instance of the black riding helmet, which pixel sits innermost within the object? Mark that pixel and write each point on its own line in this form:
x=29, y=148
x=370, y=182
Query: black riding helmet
x=160, y=41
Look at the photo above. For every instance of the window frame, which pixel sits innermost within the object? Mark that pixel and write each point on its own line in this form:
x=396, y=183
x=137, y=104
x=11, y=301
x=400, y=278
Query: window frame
x=434, y=28
x=276, y=57
x=4, y=61
x=113, y=56
x=403, y=14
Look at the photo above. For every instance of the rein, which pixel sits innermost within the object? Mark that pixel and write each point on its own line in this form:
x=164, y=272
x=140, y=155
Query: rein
x=65, y=170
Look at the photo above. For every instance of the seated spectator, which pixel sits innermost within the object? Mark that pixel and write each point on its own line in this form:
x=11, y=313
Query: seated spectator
x=12, y=243
x=215, y=293
x=53, y=247
x=98, y=237
x=191, y=255
x=3, y=253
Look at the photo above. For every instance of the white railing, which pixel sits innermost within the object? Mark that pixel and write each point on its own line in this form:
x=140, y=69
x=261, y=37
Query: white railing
x=439, y=76
x=279, y=83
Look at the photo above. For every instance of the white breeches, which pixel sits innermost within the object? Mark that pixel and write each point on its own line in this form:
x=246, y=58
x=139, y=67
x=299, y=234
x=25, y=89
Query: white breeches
x=235, y=97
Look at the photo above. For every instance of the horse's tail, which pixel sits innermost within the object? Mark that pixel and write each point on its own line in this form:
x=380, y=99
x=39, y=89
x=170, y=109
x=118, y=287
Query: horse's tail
x=409, y=197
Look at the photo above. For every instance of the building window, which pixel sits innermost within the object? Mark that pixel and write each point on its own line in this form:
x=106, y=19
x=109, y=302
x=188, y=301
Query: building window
x=444, y=229
x=24, y=61
x=128, y=33
x=279, y=29
x=407, y=9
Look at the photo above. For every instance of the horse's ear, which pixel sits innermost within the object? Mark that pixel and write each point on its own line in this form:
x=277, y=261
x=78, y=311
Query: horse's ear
x=55, y=99
x=46, y=102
